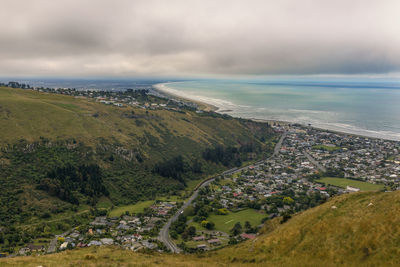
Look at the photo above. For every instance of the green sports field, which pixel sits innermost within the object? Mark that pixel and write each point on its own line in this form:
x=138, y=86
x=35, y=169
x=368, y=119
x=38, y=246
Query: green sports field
x=342, y=182
x=225, y=223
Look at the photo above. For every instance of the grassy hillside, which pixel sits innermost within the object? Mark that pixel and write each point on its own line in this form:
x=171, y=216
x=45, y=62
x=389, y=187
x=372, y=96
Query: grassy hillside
x=359, y=229
x=29, y=115
x=61, y=154
x=354, y=233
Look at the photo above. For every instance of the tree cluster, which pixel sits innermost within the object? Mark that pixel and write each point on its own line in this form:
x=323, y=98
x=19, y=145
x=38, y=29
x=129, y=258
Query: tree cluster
x=63, y=182
x=173, y=168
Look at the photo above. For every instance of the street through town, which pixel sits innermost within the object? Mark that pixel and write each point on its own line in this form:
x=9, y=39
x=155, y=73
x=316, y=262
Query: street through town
x=164, y=232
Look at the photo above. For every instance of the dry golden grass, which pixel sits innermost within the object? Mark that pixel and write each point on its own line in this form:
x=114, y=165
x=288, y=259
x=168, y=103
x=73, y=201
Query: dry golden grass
x=107, y=256
x=355, y=233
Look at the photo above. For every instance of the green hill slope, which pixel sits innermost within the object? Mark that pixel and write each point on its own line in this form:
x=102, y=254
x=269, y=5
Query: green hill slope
x=61, y=154
x=360, y=229
x=26, y=114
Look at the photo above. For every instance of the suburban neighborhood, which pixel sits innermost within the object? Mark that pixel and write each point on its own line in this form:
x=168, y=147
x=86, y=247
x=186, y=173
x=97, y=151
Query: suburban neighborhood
x=133, y=232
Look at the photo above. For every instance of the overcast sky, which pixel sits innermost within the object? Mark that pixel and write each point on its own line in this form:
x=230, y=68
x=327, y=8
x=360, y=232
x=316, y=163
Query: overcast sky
x=198, y=38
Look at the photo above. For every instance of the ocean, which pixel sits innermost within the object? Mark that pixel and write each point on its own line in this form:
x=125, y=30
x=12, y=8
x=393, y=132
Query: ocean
x=368, y=107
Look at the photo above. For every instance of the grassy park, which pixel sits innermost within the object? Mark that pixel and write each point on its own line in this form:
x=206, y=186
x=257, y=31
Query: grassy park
x=342, y=182
x=134, y=208
x=225, y=223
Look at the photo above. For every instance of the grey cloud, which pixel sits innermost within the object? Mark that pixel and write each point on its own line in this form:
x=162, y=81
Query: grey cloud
x=133, y=38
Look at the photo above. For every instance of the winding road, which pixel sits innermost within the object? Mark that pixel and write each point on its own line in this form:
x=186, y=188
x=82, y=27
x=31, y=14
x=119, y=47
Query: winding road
x=164, y=237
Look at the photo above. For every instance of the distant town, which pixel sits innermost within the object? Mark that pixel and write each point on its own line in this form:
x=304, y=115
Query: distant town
x=140, y=96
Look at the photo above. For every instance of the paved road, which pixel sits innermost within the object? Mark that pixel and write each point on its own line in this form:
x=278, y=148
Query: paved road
x=163, y=236
x=279, y=144
x=52, y=245
x=313, y=161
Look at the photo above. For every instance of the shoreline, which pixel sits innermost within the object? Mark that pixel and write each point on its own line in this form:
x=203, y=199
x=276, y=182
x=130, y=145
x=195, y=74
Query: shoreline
x=321, y=129
x=209, y=107
x=201, y=104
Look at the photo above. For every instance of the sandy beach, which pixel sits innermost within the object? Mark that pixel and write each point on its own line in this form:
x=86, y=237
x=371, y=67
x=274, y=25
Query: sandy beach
x=162, y=88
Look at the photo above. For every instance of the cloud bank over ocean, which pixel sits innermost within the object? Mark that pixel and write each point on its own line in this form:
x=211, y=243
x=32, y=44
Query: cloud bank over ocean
x=188, y=38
